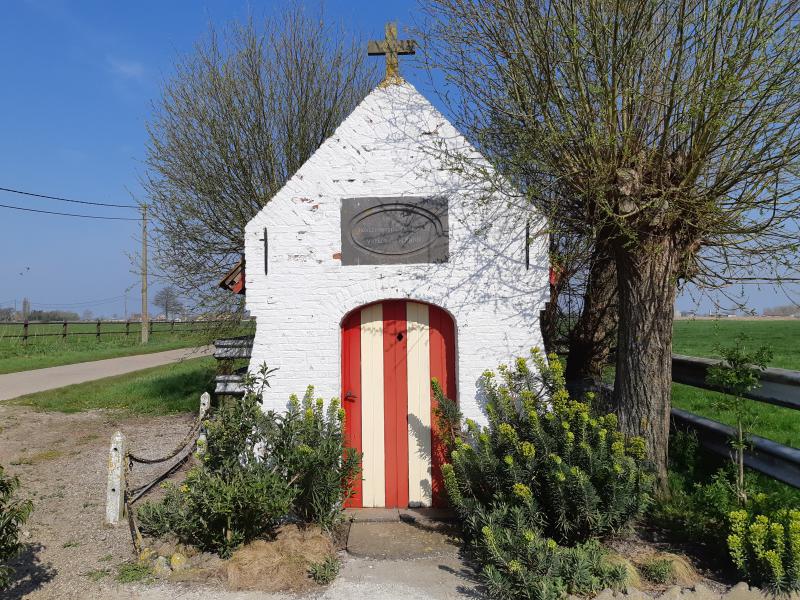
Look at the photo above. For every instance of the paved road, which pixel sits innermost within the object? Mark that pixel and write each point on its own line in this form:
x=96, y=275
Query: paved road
x=38, y=380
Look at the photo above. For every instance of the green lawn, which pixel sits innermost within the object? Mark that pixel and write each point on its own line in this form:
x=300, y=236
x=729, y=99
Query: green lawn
x=16, y=355
x=81, y=344
x=700, y=338
x=161, y=390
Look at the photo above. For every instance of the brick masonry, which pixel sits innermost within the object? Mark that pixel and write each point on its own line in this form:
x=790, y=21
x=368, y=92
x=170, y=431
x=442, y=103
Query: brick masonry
x=394, y=144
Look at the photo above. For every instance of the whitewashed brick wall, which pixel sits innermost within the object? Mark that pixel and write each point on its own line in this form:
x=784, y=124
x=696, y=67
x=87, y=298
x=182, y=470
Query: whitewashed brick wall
x=393, y=144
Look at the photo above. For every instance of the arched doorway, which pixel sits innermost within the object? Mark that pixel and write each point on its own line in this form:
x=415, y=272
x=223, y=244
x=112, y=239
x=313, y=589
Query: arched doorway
x=390, y=352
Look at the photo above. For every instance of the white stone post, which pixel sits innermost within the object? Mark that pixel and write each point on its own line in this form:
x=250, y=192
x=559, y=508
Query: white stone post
x=115, y=491
x=205, y=404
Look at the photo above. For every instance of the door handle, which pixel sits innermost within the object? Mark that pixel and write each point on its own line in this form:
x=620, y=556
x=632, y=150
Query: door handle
x=350, y=397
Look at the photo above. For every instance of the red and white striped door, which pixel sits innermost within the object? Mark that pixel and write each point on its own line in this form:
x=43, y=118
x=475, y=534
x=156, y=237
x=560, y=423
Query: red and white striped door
x=390, y=352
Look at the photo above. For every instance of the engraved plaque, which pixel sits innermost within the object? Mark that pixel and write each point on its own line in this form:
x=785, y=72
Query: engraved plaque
x=387, y=231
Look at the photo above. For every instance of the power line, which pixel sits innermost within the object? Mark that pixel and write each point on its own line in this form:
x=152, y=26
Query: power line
x=50, y=212
x=78, y=304
x=13, y=191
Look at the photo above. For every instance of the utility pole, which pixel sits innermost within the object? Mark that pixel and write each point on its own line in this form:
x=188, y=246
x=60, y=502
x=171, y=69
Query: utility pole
x=145, y=317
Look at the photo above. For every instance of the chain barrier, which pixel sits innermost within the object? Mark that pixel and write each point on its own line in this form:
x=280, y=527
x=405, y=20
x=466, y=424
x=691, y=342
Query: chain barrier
x=187, y=446
x=189, y=437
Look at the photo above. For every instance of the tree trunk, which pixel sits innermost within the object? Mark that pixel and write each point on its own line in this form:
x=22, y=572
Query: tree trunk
x=548, y=320
x=643, y=384
x=591, y=340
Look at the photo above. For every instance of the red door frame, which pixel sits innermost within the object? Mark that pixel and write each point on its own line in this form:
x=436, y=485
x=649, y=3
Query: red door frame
x=351, y=391
x=442, y=367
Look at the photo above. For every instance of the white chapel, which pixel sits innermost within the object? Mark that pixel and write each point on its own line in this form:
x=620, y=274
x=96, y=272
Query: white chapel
x=382, y=263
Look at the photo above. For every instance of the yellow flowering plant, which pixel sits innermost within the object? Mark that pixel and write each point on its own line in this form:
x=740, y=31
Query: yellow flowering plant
x=536, y=487
x=766, y=549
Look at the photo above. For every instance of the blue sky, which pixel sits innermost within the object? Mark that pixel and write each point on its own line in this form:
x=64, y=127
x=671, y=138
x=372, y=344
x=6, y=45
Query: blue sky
x=78, y=80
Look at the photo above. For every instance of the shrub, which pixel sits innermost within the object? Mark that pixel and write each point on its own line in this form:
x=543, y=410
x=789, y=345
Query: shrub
x=702, y=496
x=309, y=449
x=704, y=507
x=13, y=514
x=575, y=475
x=698, y=511
x=518, y=562
x=766, y=550
x=738, y=374
x=545, y=473
x=234, y=496
x=219, y=512
x=259, y=469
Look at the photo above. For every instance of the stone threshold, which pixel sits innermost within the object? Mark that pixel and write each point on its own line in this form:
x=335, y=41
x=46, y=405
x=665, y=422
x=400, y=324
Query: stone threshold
x=422, y=516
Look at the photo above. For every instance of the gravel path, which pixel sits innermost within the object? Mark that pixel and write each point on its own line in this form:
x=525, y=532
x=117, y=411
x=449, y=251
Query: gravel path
x=38, y=380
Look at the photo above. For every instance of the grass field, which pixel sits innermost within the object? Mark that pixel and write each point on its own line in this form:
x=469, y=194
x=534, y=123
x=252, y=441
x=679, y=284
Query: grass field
x=161, y=390
x=17, y=354
x=702, y=337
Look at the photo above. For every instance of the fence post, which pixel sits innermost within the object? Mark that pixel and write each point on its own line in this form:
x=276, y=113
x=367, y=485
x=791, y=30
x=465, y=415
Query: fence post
x=25, y=331
x=172, y=327
x=205, y=404
x=150, y=327
x=64, y=331
x=115, y=490
x=98, y=329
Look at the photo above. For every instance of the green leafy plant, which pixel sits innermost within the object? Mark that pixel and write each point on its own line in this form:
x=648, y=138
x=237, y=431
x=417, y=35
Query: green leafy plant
x=518, y=562
x=738, y=374
x=543, y=475
x=766, y=550
x=258, y=470
x=658, y=570
x=13, y=514
x=134, y=572
x=697, y=510
x=234, y=495
x=309, y=449
x=704, y=507
x=326, y=571
x=575, y=474
x=702, y=495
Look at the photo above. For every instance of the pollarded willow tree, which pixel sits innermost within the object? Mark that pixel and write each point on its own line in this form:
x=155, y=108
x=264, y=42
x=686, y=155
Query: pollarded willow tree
x=667, y=129
x=239, y=116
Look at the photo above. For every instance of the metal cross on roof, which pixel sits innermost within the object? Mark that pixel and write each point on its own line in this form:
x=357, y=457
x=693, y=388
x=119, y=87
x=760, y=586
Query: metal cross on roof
x=391, y=47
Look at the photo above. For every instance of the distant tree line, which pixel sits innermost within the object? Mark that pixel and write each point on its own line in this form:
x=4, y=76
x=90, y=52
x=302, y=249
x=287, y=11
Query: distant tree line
x=9, y=314
x=787, y=310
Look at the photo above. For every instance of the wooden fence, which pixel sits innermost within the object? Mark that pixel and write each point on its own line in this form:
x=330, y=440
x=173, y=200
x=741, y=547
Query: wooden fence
x=26, y=330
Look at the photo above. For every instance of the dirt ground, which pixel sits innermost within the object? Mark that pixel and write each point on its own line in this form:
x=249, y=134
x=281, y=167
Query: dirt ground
x=61, y=460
